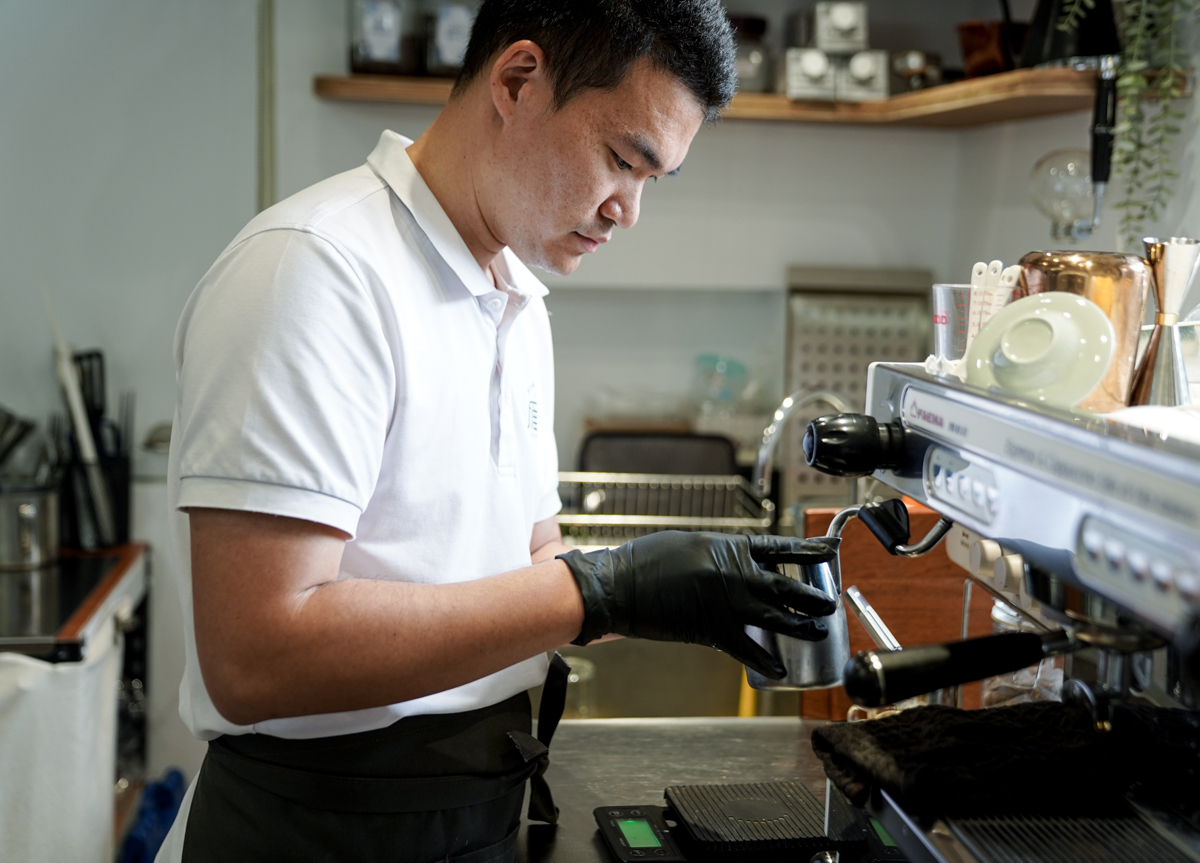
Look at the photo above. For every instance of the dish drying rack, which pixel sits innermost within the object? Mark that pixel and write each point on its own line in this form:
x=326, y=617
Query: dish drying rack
x=602, y=509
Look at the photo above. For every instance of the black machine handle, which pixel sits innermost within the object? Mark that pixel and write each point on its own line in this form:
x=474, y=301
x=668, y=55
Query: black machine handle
x=878, y=677
x=852, y=444
x=888, y=520
x=1104, y=119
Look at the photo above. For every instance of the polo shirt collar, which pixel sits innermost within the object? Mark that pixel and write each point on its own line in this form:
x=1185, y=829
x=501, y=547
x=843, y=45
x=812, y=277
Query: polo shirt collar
x=390, y=161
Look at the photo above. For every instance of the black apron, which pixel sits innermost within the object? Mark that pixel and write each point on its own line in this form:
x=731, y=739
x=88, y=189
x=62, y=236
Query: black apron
x=426, y=788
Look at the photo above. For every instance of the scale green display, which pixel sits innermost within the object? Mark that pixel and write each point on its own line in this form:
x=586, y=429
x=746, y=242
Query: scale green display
x=638, y=833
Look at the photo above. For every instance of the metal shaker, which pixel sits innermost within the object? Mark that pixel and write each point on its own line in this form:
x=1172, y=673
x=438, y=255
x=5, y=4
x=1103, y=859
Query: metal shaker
x=809, y=664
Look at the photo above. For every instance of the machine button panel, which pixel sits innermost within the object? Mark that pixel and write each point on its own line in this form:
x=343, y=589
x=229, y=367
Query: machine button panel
x=1139, y=564
x=1188, y=584
x=965, y=487
x=1114, y=553
x=1147, y=575
x=1163, y=574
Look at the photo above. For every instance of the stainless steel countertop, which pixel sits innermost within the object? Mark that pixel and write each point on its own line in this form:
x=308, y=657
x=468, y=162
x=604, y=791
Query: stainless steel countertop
x=598, y=762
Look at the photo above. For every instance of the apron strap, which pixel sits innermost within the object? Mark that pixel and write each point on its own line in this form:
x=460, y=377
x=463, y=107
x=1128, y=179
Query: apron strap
x=554, y=699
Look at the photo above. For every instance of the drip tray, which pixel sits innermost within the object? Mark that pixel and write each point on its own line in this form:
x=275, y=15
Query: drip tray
x=1041, y=839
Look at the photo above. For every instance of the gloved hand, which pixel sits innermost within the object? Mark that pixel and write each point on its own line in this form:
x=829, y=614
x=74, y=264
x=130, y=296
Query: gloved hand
x=701, y=588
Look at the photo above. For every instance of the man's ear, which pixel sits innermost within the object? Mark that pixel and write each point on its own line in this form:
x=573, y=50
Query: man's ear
x=517, y=72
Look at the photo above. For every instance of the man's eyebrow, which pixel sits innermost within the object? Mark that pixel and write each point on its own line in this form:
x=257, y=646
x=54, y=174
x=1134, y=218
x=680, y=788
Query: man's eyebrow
x=642, y=147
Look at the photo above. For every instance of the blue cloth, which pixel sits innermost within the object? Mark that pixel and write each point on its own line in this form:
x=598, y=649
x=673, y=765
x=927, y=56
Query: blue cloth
x=156, y=813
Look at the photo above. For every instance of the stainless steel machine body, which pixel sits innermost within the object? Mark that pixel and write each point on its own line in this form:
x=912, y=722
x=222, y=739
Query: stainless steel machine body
x=1086, y=526
x=1081, y=501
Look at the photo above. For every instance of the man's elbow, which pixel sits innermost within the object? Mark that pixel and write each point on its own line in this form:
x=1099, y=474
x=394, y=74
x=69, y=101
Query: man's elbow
x=243, y=691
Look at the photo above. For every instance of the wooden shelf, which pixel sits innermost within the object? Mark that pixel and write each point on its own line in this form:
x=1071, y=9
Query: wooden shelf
x=1008, y=96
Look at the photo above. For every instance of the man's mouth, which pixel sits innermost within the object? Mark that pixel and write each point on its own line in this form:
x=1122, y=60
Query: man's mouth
x=590, y=244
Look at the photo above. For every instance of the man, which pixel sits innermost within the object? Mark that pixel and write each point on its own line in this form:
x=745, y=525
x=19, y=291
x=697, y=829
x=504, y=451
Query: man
x=364, y=469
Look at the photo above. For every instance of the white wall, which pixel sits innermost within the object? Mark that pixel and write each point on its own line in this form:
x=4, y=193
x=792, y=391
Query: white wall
x=994, y=217
x=126, y=165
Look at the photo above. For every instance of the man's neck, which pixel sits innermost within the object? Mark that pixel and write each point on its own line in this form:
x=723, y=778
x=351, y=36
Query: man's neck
x=445, y=157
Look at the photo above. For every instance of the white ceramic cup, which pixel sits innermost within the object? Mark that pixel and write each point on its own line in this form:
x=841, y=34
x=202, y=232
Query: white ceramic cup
x=1035, y=351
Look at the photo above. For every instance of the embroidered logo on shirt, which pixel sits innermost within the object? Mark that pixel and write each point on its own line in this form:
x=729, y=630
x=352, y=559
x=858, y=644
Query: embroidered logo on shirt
x=531, y=419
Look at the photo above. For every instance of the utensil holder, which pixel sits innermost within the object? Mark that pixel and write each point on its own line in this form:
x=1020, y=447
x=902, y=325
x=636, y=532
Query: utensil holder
x=78, y=530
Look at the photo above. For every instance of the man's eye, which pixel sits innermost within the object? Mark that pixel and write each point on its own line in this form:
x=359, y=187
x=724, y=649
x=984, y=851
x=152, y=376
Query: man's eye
x=622, y=165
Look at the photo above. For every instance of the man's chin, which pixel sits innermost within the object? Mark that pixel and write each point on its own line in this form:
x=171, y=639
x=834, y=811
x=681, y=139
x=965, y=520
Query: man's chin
x=558, y=265
x=564, y=268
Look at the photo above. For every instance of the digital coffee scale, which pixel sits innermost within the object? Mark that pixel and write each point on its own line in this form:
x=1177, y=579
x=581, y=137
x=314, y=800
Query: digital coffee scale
x=765, y=821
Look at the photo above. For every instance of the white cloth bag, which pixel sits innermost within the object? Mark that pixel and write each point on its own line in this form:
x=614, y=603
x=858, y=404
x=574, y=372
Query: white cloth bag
x=58, y=749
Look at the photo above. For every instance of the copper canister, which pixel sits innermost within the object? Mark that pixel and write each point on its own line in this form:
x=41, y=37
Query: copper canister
x=1119, y=285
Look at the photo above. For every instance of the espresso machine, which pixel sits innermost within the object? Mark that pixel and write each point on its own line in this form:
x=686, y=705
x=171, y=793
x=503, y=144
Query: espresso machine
x=1089, y=529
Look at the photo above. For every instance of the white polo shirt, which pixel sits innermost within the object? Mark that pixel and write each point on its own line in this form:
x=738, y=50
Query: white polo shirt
x=346, y=361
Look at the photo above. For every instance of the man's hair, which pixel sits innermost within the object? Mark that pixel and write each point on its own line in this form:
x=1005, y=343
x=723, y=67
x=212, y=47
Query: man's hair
x=591, y=44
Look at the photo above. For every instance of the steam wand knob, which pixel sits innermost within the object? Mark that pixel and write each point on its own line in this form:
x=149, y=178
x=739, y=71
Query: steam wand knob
x=852, y=444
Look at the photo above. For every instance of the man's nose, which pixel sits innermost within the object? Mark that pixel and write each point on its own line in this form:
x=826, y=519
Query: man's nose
x=622, y=207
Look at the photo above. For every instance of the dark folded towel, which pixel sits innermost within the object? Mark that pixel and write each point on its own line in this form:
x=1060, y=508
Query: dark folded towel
x=1042, y=757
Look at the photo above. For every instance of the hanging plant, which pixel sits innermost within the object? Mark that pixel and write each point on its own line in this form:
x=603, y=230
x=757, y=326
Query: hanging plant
x=1151, y=75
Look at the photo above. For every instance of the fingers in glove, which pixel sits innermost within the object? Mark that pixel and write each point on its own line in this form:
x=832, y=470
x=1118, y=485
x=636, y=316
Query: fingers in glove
x=772, y=550
x=752, y=655
x=804, y=628
x=780, y=591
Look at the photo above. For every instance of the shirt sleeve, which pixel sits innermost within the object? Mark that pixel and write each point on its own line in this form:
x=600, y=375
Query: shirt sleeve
x=286, y=383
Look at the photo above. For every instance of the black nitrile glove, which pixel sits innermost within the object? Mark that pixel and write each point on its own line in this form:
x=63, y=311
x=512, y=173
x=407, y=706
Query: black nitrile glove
x=702, y=588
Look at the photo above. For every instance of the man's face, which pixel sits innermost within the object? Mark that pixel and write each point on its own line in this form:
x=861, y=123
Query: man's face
x=559, y=181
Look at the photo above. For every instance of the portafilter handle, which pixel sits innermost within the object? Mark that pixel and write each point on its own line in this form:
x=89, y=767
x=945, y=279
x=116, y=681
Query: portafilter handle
x=878, y=677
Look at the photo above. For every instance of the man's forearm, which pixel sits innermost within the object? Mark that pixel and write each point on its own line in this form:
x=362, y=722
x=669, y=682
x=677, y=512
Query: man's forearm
x=549, y=551
x=332, y=646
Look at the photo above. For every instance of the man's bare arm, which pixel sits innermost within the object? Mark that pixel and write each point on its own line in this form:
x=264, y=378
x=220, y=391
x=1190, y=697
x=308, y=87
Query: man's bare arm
x=277, y=635
x=546, y=541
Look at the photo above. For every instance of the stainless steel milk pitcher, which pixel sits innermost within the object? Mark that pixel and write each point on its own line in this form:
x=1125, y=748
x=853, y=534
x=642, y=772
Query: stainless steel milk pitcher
x=809, y=664
x=821, y=664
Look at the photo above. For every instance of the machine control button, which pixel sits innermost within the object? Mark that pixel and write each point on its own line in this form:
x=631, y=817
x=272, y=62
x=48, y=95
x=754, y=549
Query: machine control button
x=1023, y=598
x=1188, y=585
x=964, y=487
x=1139, y=564
x=1114, y=553
x=1093, y=543
x=978, y=494
x=1162, y=574
x=984, y=554
x=939, y=477
x=1008, y=573
x=993, y=500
